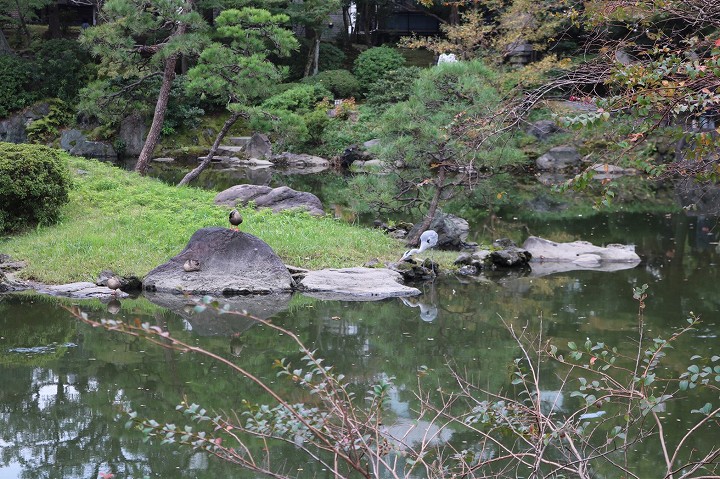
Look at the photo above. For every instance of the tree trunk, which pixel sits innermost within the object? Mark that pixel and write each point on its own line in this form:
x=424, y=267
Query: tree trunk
x=204, y=163
x=23, y=25
x=454, y=15
x=366, y=25
x=439, y=187
x=54, y=31
x=4, y=45
x=311, y=65
x=316, y=55
x=347, y=31
x=159, y=116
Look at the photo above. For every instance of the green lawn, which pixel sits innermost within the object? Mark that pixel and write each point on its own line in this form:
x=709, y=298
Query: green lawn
x=121, y=221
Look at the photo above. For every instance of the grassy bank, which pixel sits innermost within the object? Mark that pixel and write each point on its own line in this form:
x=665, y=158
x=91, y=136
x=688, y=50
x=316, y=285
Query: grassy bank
x=130, y=224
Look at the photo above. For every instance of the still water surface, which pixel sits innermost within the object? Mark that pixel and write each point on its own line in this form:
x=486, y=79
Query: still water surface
x=63, y=384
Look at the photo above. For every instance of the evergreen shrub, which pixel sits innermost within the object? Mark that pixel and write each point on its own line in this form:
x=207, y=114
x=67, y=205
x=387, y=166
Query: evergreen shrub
x=15, y=84
x=300, y=99
x=375, y=63
x=61, y=68
x=341, y=83
x=394, y=87
x=34, y=185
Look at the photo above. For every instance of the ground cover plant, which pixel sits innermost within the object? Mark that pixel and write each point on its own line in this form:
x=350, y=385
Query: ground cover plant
x=118, y=220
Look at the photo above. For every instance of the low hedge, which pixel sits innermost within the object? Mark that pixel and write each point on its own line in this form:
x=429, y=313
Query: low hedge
x=34, y=185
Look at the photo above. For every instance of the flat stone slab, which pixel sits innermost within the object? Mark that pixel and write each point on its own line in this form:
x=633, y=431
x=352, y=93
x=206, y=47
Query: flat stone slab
x=81, y=290
x=581, y=253
x=355, y=284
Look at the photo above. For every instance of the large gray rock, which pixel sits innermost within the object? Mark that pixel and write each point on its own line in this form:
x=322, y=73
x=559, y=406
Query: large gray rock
x=452, y=231
x=231, y=263
x=5, y=284
x=13, y=129
x=559, y=158
x=355, y=284
x=74, y=142
x=277, y=199
x=579, y=252
x=509, y=255
x=300, y=160
x=80, y=290
x=259, y=147
x=543, y=129
x=132, y=134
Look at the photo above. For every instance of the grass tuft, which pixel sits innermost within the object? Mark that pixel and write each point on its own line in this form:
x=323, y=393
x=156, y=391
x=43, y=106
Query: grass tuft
x=121, y=221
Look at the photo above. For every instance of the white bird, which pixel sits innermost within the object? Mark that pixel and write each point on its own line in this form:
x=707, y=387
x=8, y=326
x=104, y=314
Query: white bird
x=427, y=240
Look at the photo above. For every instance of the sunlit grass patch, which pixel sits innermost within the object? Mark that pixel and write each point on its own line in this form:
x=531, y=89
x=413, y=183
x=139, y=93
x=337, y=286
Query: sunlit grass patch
x=121, y=221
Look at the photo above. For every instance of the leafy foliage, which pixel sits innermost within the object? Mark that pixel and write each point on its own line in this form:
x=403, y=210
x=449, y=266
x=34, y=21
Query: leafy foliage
x=15, y=84
x=431, y=134
x=62, y=68
x=394, y=87
x=300, y=99
x=375, y=63
x=296, y=116
x=341, y=83
x=48, y=128
x=464, y=39
x=34, y=185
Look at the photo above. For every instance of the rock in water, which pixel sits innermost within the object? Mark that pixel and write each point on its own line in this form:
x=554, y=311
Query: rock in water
x=580, y=252
x=232, y=262
x=277, y=199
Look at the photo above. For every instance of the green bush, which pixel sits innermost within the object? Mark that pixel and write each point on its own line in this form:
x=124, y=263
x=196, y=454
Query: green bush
x=394, y=87
x=184, y=109
x=375, y=63
x=341, y=83
x=61, y=68
x=300, y=99
x=15, y=84
x=34, y=185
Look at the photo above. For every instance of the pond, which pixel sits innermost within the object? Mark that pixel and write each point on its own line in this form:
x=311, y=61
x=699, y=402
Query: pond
x=65, y=384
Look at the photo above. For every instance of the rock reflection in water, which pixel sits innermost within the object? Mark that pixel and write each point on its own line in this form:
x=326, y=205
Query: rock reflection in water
x=214, y=323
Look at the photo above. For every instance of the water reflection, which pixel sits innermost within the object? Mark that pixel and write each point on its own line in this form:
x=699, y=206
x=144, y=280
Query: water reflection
x=428, y=311
x=64, y=383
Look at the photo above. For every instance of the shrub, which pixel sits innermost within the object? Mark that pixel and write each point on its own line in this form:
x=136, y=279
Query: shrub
x=62, y=68
x=341, y=83
x=394, y=87
x=300, y=99
x=34, y=185
x=15, y=83
x=374, y=63
x=184, y=109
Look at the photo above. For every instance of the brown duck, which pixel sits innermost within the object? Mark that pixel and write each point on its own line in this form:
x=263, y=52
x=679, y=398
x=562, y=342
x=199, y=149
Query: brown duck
x=235, y=219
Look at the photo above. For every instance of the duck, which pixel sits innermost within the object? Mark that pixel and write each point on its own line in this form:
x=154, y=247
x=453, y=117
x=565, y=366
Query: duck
x=114, y=283
x=235, y=219
x=191, y=265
